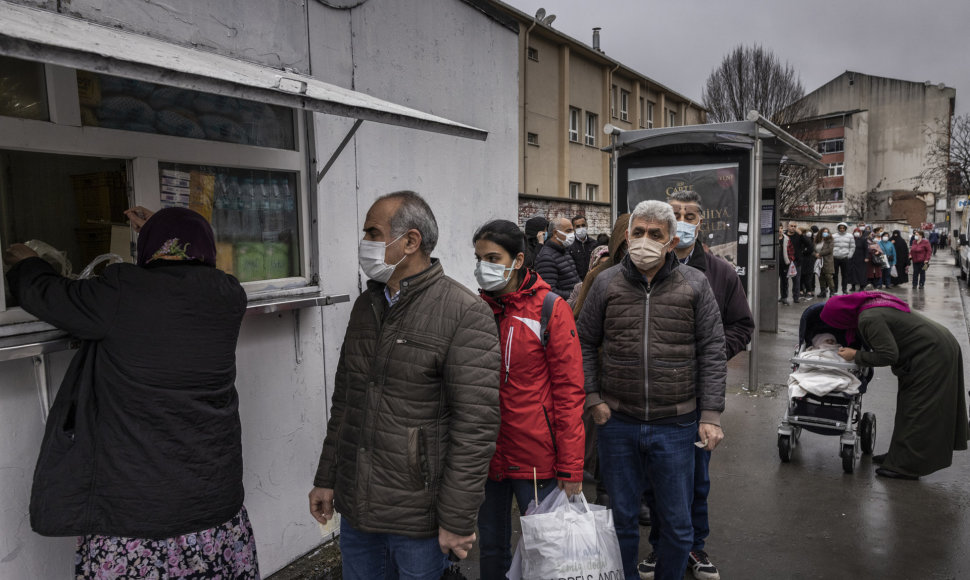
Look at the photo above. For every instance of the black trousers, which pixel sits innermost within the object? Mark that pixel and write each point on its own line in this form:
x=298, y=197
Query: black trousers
x=841, y=273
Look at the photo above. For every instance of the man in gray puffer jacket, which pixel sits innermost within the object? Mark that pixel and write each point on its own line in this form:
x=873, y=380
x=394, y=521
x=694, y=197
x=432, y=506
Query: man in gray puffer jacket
x=842, y=248
x=415, y=410
x=653, y=351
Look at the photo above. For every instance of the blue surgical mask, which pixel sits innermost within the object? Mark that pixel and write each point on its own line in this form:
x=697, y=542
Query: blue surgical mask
x=825, y=234
x=686, y=232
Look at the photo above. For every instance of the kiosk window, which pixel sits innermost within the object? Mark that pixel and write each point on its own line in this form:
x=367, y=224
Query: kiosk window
x=253, y=215
x=23, y=89
x=118, y=103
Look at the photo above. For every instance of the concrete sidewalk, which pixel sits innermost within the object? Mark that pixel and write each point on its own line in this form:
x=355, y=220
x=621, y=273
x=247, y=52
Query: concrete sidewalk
x=808, y=519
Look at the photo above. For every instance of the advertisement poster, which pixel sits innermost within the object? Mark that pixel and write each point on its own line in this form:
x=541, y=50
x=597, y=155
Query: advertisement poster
x=717, y=185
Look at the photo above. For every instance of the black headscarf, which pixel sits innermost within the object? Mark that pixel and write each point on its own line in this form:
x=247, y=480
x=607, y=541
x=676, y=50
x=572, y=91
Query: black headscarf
x=176, y=233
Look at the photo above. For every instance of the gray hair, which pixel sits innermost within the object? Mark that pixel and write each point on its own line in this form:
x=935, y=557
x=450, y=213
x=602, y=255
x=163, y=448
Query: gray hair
x=686, y=196
x=654, y=211
x=413, y=214
x=554, y=224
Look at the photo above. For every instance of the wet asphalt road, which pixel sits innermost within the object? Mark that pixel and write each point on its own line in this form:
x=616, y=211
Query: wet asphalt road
x=808, y=519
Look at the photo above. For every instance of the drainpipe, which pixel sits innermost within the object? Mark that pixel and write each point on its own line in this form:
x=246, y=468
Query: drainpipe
x=525, y=107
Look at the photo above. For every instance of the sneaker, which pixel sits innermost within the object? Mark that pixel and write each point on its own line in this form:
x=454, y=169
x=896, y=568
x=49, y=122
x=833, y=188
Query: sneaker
x=700, y=565
x=647, y=568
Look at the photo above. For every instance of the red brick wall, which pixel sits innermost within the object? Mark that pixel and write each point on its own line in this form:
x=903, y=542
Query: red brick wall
x=597, y=216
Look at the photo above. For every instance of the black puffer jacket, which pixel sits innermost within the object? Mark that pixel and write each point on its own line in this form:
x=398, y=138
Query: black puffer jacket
x=731, y=300
x=415, y=410
x=556, y=267
x=662, y=343
x=143, y=439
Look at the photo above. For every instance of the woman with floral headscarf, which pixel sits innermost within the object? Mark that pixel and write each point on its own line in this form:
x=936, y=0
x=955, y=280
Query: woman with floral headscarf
x=931, y=411
x=142, y=457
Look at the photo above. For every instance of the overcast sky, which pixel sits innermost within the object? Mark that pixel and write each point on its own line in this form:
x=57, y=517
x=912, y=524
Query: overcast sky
x=678, y=43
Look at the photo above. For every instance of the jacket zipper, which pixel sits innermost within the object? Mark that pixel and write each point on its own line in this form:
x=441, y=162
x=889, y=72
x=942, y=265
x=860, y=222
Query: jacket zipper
x=508, y=353
x=646, y=349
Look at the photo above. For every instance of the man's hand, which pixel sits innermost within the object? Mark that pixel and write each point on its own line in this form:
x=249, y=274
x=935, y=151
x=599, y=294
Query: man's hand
x=601, y=413
x=711, y=434
x=459, y=545
x=321, y=504
x=571, y=487
x=16, y=253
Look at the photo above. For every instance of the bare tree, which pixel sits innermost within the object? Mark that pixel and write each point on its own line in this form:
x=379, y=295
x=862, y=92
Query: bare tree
x=752, y=78
x=798, y=190
x=948, y=156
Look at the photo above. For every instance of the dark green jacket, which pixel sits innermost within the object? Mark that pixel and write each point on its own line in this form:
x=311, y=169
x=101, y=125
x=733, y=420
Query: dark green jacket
x=415, y=410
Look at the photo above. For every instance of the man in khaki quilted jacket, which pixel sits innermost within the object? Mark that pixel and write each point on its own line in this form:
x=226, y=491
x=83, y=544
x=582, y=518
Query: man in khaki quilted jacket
x=415, y=409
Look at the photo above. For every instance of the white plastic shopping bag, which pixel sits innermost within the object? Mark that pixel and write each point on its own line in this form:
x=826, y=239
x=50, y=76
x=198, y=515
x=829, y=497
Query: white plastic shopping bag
x=792, y=270
x=562, y=539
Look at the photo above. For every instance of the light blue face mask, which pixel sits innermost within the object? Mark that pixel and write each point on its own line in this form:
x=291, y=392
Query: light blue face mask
x=686, y=233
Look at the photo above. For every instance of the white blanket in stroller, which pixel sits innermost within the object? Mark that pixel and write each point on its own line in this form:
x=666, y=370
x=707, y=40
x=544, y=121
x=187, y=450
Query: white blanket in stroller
x=821, y=381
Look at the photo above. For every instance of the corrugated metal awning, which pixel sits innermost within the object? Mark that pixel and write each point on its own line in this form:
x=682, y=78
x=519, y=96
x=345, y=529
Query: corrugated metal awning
x=41, y=35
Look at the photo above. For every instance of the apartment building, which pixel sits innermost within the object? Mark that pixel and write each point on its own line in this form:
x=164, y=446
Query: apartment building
x=568, y=90
x=873, y=134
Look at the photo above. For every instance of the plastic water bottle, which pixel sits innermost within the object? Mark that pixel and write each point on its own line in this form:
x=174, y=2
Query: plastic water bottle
x=250, y=230
x=271, y=209
x=288, y=206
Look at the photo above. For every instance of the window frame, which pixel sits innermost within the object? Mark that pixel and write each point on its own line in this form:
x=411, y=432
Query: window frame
x=592, y=188
x=574, y=188
x=624, y=105
x=592, y=120
x=63, y=135
x=650, y=107
x=532, y=53
x=573, y=129
x=643, y=108
x=532, y=139
x=613, y=98
x=671, y=118
x=836, y=169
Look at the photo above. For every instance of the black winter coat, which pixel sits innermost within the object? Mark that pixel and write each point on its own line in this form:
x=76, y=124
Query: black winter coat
x=143, y=438
x=580, y=252
x=556, y=267
x=731, y=300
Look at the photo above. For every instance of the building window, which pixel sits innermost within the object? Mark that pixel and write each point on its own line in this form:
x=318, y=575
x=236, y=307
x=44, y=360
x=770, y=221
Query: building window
x=649, y=115
x=573, y=190
x=613, y=101
x=574, y=124
x=671, y=119
x=591, y=125
x=533, y=53
x=642, y=112
x=834, y=194
x=831, y=145
x=23, y=89
x=591, y=191
x=532, y=139
x=835, y=170
x=624, y=105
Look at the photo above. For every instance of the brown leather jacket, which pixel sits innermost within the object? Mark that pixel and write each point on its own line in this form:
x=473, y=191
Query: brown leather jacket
x=415, y=410
x=662, y=344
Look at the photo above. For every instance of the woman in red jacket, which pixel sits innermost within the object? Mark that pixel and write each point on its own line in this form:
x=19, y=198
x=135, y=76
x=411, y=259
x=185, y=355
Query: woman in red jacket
x=920, y=253
x=541, y=392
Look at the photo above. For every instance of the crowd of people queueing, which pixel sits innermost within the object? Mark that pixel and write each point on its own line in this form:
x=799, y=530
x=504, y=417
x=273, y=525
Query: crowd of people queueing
x=869, y=258
x=575, y=359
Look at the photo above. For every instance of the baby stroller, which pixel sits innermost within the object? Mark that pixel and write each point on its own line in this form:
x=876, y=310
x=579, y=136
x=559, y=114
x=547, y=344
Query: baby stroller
x=835, y=413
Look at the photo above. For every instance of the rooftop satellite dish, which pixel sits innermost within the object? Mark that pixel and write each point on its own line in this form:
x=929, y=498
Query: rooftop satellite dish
x=540, y=13
x=549, y=19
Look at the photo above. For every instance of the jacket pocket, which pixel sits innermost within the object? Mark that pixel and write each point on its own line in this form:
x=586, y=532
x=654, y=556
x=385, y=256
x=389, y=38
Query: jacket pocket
x=675, y=378
x=419, y=469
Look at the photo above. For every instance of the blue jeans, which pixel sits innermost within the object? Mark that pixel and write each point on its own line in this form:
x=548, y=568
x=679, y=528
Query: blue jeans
x=369, y=556
x=633, y=455
x=698, y=507
x=495, y=521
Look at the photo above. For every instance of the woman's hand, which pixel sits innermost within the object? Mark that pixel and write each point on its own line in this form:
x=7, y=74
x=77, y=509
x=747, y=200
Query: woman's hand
x=16, y=253
x=138, y=215
x=571, y=487
x=847, y=353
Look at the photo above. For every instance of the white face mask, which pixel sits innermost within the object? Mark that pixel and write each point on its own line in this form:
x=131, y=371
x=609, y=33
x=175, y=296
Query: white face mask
x=491, y=276
x=885, y=238
x=857, y=234
x=647, y=253
x=917, y=237
x=581, y=233
x=370, y=256
x=570, y=238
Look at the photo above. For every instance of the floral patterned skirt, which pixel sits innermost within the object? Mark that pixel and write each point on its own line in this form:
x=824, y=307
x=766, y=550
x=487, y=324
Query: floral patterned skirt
x=225, y=552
